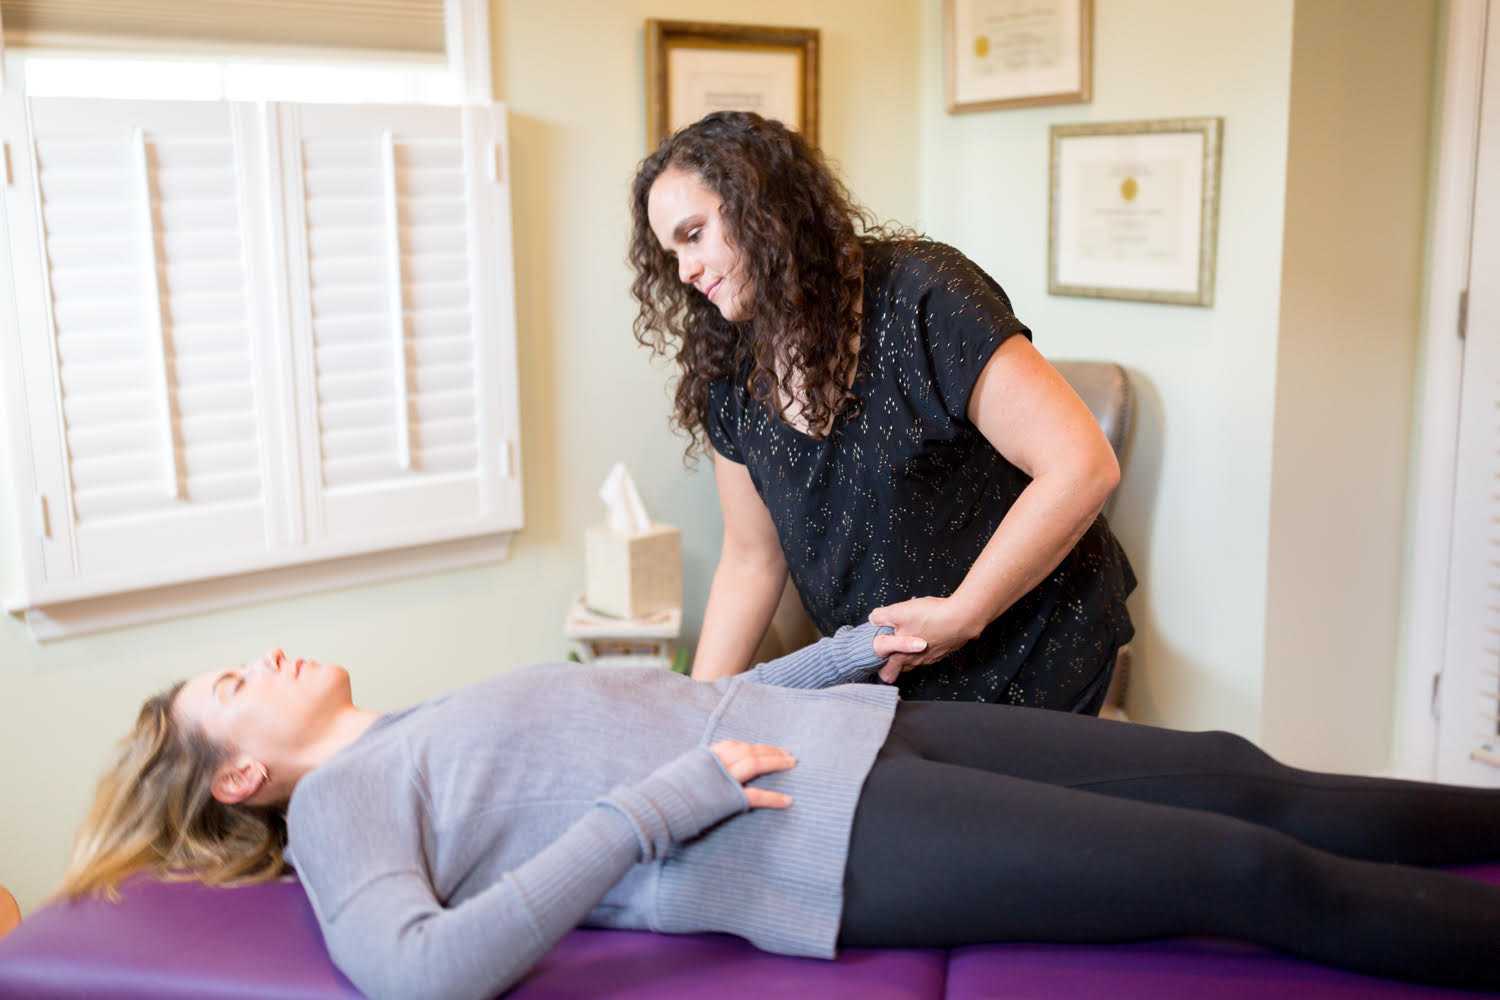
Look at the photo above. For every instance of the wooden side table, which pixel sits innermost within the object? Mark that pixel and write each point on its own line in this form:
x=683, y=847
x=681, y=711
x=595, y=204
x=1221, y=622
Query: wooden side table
x=623, y=642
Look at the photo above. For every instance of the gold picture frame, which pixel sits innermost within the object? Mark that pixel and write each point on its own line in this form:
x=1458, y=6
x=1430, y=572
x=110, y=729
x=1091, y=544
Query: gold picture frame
x=1017, y=53
x=694, y=67
x=1134, y=210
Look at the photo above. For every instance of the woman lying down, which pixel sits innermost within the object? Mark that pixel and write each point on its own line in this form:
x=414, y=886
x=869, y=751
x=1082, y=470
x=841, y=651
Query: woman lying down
x=447, y=847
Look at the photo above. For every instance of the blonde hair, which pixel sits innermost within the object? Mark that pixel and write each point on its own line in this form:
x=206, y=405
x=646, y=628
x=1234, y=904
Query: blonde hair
x=154, y=811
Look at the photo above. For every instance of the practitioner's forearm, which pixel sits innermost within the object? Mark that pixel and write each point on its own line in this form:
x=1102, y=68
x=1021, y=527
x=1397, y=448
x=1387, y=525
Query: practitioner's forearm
x=1040, y=529
x=1031, y=417
x=1038, y=532
x=1029, y=414
x=741, y=601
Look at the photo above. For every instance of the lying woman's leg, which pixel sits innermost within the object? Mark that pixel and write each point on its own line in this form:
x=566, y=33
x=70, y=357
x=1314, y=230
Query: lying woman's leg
x=1371, y=818
x=943, y=855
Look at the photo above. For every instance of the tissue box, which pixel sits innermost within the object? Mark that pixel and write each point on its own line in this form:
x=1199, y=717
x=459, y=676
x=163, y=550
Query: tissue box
x=634, y=575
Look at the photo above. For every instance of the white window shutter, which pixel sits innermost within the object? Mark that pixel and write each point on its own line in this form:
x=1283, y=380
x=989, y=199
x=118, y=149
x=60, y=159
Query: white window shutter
x=397, y=233
x=259, y=350
x=130, y=228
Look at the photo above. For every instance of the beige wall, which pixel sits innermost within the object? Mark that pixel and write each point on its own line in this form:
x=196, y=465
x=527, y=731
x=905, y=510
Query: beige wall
x=573, y=76
x=1206, y=495
x=1263, y=502
x=1193, y=506
x=1362, y=77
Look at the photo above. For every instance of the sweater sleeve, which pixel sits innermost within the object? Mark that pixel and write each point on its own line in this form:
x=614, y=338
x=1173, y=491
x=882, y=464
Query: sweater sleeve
x=392, y=937
x=846, y=657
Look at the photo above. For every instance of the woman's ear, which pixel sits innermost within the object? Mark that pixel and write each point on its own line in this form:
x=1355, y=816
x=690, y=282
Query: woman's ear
x=238, y=779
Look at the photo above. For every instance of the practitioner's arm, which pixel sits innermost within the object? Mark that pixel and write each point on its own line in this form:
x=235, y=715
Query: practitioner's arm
x=748, y=581
x=389, y=933
x=851, y=654
x=1026, y=410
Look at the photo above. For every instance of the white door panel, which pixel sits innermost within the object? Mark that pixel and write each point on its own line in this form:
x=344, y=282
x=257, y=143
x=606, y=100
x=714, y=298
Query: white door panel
x=1469, y=706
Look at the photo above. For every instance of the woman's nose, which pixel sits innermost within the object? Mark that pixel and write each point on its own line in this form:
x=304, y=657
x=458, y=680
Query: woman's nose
x=270, y=661
x=688, y=270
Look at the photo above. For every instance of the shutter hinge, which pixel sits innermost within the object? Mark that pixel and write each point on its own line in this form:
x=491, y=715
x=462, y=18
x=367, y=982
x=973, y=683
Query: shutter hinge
x=1463, y=314
x=1434, y=708
x=507, y=464
x=5, y=154
x=497, y=163
x=41, y=506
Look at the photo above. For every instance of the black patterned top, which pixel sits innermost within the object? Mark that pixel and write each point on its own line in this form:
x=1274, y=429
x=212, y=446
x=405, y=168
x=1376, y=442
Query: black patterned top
x=898, y=500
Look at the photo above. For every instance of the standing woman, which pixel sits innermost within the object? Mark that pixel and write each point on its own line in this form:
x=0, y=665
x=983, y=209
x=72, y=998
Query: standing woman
x=882, y=429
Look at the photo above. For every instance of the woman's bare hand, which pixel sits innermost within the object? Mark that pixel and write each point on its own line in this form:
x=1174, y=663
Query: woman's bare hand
x=747, y=761
x=938, y=620
x=887, y=646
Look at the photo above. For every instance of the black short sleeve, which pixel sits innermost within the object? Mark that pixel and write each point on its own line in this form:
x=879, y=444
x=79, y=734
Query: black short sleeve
x=963, y=315
x=721, y=421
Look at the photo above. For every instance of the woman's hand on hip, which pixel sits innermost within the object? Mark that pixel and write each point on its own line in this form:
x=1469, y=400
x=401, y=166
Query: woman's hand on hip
x=939, y=620
x=747, y=761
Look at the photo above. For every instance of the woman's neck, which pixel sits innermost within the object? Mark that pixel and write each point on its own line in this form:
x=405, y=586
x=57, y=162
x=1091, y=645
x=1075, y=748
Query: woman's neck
x=344, y=728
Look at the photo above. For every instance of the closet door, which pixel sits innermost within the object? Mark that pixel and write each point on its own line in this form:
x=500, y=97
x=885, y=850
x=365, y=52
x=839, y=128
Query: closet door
x=130, y=236
x=397, y=235
x=1469, y=708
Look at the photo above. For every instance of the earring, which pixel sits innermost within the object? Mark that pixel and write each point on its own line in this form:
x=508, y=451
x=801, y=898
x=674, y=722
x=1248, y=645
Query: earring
x=265, y=775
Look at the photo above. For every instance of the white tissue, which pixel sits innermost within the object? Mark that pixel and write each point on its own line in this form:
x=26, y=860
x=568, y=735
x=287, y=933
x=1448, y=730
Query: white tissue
x=626, y=514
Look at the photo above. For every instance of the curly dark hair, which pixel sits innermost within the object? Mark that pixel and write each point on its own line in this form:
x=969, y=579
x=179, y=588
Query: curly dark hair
x=798, y=231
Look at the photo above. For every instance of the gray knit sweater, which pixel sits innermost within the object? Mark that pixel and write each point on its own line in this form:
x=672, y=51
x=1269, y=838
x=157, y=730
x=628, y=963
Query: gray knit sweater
x=454, y=843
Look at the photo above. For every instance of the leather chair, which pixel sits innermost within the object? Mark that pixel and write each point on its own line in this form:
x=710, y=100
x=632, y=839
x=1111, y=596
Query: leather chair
x=1105, y=389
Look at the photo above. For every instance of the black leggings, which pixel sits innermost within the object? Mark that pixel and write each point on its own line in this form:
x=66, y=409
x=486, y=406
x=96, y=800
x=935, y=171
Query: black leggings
x=983, y=823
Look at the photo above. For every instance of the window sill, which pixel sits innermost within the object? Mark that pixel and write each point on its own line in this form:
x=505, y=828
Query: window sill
x=63, y=619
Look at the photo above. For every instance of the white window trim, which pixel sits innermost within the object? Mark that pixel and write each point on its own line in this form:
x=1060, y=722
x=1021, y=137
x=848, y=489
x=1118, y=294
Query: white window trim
x=467, y=30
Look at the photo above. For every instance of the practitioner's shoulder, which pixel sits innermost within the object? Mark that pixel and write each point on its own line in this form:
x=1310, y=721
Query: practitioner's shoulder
x=904, y=265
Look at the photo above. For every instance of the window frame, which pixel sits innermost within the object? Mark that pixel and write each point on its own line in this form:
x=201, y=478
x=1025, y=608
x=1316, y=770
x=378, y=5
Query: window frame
x=466, y=29
x=53, y=611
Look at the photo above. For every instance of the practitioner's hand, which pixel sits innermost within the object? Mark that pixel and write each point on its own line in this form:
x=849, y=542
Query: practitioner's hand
x=748, y=761
x=938, y=620
x=886, y=646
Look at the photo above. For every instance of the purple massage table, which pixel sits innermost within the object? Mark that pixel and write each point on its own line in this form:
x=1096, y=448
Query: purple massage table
x=182, y=940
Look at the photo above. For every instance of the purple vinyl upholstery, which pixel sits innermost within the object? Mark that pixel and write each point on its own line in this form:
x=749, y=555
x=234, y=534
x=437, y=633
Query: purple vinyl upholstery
x=169, y=940
x=182, y=940
x=1206, y=968
x=635, y=965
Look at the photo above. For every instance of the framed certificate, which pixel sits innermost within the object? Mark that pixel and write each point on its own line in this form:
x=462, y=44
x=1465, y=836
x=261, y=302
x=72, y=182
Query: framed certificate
x=1134, y=210
x=1017, y=53
x=693, y=68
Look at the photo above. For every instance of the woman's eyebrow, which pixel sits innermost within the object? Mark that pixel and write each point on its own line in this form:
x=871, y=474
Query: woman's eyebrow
x=681, y=230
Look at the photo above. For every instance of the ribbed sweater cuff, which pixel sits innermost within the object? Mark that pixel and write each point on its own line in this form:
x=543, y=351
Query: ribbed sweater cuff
x=845, y=657
x=678, y=801
x=850, y=651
